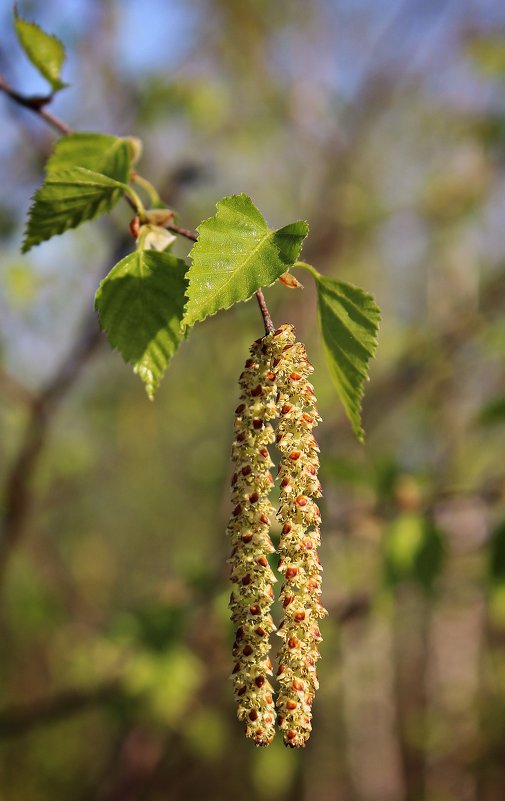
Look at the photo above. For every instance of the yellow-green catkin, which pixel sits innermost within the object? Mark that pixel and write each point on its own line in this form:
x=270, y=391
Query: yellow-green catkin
x=249, y=530
x=300, y=536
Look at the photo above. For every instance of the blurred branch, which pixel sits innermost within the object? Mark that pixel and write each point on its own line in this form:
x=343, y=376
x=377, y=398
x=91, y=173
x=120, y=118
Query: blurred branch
x=18, y=493
x=13, y=388
x=20, y=719
x=37, y=104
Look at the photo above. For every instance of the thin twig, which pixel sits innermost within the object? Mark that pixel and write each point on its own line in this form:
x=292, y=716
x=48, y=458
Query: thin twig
x=37, y=105
x=176, y=229
x=267, y=320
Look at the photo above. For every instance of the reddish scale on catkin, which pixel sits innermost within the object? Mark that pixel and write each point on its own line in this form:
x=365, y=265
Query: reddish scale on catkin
x=249, y=528
x=300, y=518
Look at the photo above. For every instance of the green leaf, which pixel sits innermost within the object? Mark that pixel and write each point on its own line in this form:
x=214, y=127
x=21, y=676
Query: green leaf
x=67, y=199
x=493, y=412
x=414, y=551
x=103, y=153
x=349, y=320
x=237, y=254
x=140, y=305
x=488, y=53
x=44, y=50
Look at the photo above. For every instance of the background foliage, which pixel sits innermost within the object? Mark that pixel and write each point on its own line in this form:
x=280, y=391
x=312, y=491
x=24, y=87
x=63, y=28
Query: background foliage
x=381, y=124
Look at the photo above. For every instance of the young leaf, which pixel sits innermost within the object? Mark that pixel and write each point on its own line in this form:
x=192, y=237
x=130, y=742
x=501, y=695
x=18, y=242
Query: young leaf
x=349, y=320
x=67, y=199
x=140, y=305
x=237, y=254
x=44, y=50
x=108, y=155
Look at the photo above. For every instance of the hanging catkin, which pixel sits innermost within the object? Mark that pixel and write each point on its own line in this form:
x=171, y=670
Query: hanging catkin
x=300, y=518
x=249, y=529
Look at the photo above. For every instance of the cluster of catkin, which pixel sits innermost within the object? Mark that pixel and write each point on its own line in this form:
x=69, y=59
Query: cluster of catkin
x=275, y=389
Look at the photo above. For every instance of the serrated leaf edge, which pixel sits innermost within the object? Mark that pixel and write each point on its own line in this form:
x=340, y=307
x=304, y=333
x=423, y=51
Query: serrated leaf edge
x=356, y=424
x=57, y=85
x=50, y=179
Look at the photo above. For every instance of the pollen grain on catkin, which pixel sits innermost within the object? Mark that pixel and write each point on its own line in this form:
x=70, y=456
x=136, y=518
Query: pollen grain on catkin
x=299, y=517
x=249, y=530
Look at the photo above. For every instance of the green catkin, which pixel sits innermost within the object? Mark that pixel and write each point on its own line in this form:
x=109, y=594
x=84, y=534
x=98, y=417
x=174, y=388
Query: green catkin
x=249, y=528
x=300, y=519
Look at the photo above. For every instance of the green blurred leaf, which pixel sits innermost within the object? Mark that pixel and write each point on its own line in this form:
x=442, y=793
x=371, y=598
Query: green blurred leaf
x=103, y=153
x=273, y=770
x=44, y=50
x=349, y=320
x=237, y=254
x=497, y=554
x=155, y=626
x=168, y=681
x=488, y=53
x=414, y=551
x=66, y=199
x=496, y=573
x=206, y=734
x=140, y=304
x=493, y=412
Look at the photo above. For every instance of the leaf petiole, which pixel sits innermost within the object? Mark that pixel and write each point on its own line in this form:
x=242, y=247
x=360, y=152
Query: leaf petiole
x=154, y=197
x=302, y=265
x=139, y=206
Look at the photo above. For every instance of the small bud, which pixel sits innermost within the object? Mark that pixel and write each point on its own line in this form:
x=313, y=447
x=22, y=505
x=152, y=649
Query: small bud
x=135, y=227
x=290, y=281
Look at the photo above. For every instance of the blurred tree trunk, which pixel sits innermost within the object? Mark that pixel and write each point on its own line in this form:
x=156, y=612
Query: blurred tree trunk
x=411, y=633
